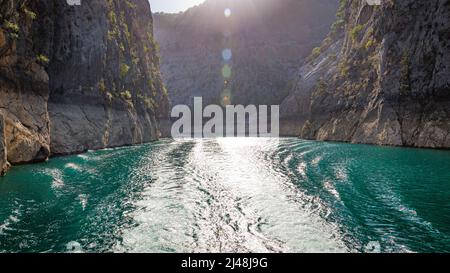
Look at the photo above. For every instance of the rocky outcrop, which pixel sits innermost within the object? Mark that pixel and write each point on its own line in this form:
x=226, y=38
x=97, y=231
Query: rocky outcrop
x=4, y=165
x=74, y=78
x=24, y=87
x=381, y=77
x=267, y=40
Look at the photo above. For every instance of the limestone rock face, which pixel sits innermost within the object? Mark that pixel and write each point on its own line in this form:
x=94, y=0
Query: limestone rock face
x=4, y=165
x=116, y=94
x=74, y=78
x=23, y=86
x=267, y=40
x=381, y=77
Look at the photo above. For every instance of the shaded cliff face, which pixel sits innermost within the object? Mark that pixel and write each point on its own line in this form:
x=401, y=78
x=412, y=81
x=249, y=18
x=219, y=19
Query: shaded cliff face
x=105, y=86
x=4, y=165
x=23, y=84
x=381, y=77
x=267, y=40
x=74, y=78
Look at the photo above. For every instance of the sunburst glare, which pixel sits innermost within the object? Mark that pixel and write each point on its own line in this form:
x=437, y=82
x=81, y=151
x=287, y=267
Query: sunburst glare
x=227, y=12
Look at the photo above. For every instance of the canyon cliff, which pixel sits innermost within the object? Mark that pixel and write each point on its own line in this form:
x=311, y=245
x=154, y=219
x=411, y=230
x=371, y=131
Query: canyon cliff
x=239, y=51
x=4, y=165
x=74, y=78
x=382, y=76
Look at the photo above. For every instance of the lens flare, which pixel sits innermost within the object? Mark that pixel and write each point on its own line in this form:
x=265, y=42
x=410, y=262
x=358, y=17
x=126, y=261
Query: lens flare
x=226, y=97
x=226, y=71
x=227, y=54
x=227, y=12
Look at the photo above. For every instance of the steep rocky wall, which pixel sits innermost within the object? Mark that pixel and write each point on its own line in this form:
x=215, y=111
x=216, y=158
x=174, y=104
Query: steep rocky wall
x=267, y=39
x=23, y=85
x=105, y=86
x=74, y=78
x=4, y=165
x=381, y=77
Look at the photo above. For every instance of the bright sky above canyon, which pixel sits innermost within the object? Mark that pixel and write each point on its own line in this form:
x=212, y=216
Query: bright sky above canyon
x=173, y=6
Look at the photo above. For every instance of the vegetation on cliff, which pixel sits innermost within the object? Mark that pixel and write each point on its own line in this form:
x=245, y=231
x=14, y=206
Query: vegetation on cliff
x=386, y=72
x=74, y=78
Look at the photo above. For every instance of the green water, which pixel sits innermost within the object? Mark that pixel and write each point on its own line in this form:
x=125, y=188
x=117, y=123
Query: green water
x=230, y=195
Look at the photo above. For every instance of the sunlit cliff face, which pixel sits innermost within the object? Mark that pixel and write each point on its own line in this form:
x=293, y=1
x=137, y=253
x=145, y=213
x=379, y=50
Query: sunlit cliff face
x=239, y=51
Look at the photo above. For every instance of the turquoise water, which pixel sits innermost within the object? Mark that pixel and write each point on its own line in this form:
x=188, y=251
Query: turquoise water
x=230, y=195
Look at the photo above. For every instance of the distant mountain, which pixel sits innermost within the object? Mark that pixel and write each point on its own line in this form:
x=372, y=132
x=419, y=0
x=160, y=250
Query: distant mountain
x=382, y=76
x=267, y=39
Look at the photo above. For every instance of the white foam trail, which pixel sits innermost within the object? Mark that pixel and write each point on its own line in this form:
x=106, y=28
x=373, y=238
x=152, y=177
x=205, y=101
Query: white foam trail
x=302, y=168
x=12, y=219
x=74, y=247
x=57, y=176
x=83, y=156
x=341, y=173
x=328, y=185
x=72, y=166
x=315, y=161
x=223, y=198
x=83, y=200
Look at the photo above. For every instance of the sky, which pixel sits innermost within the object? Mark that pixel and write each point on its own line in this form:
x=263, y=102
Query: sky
x=173, y=6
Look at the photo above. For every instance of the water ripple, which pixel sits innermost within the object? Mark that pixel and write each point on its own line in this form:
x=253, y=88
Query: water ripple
x=230, y=195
